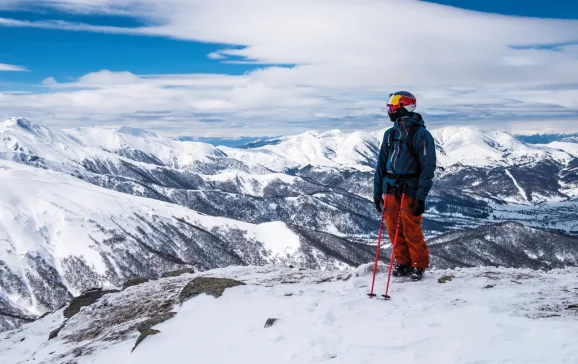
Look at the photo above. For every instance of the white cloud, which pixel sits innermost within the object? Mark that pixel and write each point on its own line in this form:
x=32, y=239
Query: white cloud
x=50, y=81
x=244, y=105
x=12, y=68
x=349, y=55
x=216, y=55
x=108, y=78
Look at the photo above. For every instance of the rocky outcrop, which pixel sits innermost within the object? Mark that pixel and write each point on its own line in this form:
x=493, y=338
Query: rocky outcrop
x=208, y=285
x=134, y=282
x=54, y=333
x=270, y=322
x=86, y=299
x=145, y=328
x=177, y=273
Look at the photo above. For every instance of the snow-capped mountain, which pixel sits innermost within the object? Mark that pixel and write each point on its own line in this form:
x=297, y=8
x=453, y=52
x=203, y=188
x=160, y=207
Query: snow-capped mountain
x=93, y=207
x=318, y=181
x=273, y=314
x=504, y=245
x=194, y=175
x=489, y=177
x=60, y=235
x=334, y=148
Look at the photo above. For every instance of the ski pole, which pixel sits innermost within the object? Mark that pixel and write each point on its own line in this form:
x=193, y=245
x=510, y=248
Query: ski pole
x=377, y=250
x=394, y=245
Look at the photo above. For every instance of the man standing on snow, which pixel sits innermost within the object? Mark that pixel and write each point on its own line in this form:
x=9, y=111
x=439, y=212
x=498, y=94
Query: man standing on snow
x=406, y=164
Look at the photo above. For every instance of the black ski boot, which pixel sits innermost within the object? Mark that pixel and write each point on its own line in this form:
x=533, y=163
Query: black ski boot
x=416, y=274
x=401, y=270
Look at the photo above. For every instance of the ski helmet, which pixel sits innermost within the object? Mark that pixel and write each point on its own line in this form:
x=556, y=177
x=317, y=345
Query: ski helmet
x=401, y=99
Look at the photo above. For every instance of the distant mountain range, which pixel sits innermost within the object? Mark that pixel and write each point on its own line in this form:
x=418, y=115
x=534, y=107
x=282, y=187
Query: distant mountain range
x=255, y=142
x=91, y=207
x=548, y=138
x=234, y=142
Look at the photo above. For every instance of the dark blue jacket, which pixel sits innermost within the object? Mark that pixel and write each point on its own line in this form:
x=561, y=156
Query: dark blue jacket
x=397, y=160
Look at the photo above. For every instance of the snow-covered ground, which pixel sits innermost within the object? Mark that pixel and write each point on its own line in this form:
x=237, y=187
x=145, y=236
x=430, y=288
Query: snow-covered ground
x=483, y=315
x=89, y=207
x=59, y=234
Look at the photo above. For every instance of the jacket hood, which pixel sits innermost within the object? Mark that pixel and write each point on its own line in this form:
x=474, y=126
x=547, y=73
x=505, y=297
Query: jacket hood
x=409, y=120
x=415, y=118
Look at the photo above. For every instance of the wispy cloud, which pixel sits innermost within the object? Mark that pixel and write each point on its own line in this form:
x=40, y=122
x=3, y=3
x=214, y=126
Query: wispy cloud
x=182, y=104
x=65, y=25
x=12, y=68
x=347, y=56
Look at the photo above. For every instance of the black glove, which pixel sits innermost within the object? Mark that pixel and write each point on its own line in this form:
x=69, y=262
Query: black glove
x=378, y=201
x=417, y=207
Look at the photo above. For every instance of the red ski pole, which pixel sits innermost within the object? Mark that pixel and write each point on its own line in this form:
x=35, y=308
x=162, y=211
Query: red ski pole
x=377, y=250
x=394, y=245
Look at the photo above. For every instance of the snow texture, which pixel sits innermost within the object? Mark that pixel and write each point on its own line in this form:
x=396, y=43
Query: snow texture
x=60, y=235
x=483, y=315
x=92, y=207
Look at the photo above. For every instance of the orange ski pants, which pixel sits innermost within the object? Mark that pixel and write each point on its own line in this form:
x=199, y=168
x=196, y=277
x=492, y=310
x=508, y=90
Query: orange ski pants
x=411, y=248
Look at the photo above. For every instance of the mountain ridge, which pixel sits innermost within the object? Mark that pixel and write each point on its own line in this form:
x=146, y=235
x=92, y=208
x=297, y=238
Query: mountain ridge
x=187, y=203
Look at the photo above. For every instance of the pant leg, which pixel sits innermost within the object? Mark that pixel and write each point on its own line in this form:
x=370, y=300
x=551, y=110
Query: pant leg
x=402, y=253
x=418, y=251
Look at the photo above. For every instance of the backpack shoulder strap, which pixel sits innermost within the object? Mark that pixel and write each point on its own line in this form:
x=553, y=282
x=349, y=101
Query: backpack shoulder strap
x=390, y=139
x=410, y=137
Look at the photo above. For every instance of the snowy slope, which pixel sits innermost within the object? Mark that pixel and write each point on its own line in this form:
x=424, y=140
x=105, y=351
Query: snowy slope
x=466, y=146
x=320, y=181
x=481, y=316
x=330, y=149
x=470, y=146
x=506, y=245
x=82, y=207
x=60, y=235
x=170, y=152
x=194, y=175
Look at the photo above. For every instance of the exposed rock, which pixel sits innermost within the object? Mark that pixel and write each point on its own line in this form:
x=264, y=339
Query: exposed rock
x=445, y=279
x=44, y=315
x=17, y=316
x=86, y=299
x=572, y=307
x=119, y=315
x=54, y=333
x=270, y=322
x=145, y=328
x=209, y=285
x=155, y=320
x=143, y=336
x=177, y=273
x=134, y=282
x=78, y=352
x=492, y=275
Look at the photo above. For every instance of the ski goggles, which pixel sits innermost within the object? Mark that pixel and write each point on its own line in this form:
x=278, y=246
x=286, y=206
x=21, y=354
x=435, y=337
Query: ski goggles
x=394, y=103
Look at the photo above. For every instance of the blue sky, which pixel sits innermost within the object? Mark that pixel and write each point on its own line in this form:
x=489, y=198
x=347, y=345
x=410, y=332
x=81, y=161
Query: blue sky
x=194, y=70
x=566, y=9
x=67, y=55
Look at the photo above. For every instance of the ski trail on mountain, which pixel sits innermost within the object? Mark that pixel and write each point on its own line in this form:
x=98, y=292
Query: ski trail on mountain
x=522, y=192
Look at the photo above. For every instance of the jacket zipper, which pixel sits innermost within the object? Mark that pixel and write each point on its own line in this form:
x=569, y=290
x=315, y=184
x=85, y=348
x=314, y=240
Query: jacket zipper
x=395, y=160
